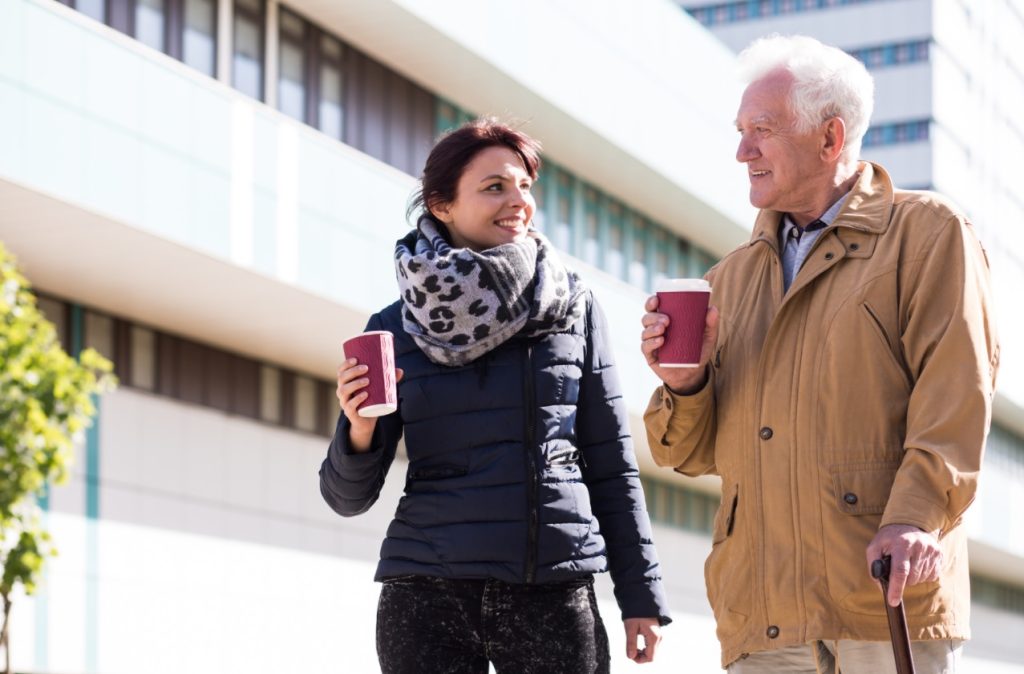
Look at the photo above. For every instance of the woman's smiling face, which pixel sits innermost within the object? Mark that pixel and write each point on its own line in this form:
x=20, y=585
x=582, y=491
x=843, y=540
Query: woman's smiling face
x=493, y=204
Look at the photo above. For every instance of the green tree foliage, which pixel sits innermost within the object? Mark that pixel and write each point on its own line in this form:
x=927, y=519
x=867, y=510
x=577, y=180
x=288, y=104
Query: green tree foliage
x=46, y=402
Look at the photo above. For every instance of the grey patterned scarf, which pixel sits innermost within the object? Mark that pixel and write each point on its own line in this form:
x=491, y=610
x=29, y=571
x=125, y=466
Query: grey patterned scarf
x=460, y=304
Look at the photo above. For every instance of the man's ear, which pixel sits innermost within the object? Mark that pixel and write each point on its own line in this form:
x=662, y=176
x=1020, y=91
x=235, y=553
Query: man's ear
x=834, y=139
x=440, y=210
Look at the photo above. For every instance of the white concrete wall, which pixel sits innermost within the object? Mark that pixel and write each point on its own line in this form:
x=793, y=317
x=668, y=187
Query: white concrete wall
x=214, y=552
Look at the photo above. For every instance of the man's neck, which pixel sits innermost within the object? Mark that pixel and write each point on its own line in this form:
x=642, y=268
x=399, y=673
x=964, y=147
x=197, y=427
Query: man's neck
x=843, y=181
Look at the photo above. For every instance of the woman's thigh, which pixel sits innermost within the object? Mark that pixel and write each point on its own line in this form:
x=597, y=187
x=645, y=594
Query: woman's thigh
x=430, y=625
x=545, y=628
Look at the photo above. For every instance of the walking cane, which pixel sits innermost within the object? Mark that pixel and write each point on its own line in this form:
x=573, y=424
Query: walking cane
x=898, y=632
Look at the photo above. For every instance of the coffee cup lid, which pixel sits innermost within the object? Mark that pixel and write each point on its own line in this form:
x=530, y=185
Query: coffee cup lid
x=681, y=284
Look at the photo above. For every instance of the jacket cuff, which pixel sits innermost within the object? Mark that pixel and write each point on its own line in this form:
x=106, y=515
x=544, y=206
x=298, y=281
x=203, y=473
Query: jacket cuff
x=669, y=419
x=915, y=511
x=353, y=465
x=646, y=600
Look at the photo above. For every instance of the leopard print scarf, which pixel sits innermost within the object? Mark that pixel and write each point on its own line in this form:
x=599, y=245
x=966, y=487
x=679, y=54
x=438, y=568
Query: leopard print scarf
x=460, y=304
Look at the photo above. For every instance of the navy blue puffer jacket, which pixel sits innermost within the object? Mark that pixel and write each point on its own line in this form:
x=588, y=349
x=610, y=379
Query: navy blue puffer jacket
x=521, y=467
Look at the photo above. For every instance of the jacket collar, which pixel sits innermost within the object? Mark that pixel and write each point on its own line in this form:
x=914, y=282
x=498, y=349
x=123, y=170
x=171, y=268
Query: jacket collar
x=868, y=208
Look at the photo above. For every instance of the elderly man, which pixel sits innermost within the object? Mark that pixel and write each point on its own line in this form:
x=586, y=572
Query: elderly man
x=844, y=392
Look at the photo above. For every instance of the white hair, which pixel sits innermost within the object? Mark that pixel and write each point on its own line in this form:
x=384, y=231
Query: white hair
x=827, y=82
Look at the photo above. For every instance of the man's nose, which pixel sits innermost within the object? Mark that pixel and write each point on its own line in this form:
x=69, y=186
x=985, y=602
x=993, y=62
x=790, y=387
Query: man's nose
x=746, y=150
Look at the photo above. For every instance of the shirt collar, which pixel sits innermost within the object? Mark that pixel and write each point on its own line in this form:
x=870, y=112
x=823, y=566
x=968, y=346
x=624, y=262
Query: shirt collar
x=827, y=217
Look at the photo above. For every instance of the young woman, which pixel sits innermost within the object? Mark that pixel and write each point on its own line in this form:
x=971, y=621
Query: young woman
x=522, y=481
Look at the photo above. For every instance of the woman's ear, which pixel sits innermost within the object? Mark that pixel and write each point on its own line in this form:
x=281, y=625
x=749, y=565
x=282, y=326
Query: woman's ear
x=440, y=210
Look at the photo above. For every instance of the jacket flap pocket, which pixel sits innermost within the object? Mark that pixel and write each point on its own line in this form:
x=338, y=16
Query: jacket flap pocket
x=437, y=472
x=725, y=518
x=864, y=489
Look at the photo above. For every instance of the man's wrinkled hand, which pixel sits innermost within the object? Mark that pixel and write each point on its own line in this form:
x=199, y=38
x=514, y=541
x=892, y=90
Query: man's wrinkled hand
x=916, y=557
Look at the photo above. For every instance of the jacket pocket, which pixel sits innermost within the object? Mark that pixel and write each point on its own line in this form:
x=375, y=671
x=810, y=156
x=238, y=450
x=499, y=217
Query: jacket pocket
x=729, y=568
x=851, y=514
x=726, y=515
x=427, y=478
x=890, y=345
x=437, y=472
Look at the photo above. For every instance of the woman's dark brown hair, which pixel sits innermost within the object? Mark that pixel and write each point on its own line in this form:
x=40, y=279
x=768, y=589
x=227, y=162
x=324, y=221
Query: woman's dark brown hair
x=455, y=150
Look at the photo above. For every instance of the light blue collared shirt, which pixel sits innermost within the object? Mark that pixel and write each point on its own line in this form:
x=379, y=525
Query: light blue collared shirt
x=796, y=248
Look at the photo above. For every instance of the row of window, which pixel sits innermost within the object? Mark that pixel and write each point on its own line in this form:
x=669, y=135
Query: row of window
x=184, y=29
x=598, y=229
x=678, y=506
x=898, y=132
x=326, y=83
x=892, y=54
x=186, y=370
x=997, y=594
x=743, y=10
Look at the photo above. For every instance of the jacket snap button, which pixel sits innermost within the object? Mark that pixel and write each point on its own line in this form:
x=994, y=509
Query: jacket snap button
x=829, y=256
x=766, y=433
x=854, y=246
x=850, y=497
x=772, y=632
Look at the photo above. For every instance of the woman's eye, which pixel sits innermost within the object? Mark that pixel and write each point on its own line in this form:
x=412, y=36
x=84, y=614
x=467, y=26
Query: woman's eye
x=496, y=187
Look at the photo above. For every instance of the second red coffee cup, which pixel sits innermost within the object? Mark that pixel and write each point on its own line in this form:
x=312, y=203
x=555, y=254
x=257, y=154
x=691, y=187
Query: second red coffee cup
x=685, y=300
x=376, y=350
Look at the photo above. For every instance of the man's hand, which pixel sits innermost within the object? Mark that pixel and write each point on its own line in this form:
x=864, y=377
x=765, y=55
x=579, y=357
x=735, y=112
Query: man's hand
x=650, y=630
x=682, y=380
x=916, y=557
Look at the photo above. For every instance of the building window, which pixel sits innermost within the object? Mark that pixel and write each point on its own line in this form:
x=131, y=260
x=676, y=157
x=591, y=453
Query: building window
x=678, y=506
x=56, y=312
x=199, y=37
x=561, y=235
x=638, y=259
x=150, y=23
x=590, y=250
x=270, y=394
x=898, y=132
x=247, y=59
x=660, y=268
x=96, y=9
x=742, y=10
x=305, y=404
x=143, y=358
x=614, y=263
x=291, y=84
x=99, y=334
x=331, y=111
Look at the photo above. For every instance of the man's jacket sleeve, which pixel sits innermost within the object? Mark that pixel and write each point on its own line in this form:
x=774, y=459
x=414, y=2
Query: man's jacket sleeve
x=951, y=352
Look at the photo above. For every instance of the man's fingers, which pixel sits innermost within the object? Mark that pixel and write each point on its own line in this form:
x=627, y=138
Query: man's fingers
x=898, y=575
x=652, y=303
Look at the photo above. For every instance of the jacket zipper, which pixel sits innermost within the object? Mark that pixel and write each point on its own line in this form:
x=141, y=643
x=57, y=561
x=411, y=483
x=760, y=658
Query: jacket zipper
x=531, y=469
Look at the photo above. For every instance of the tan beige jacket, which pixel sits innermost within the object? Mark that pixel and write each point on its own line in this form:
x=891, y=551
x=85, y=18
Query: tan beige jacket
x=861, y=397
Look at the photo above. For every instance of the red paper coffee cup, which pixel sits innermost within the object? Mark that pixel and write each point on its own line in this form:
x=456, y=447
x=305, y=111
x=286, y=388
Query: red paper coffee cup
x=376, y=350
x=685, y=300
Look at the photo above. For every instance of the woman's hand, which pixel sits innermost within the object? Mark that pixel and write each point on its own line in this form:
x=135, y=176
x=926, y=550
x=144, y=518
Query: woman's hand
x=650, y=630
x=352, y=380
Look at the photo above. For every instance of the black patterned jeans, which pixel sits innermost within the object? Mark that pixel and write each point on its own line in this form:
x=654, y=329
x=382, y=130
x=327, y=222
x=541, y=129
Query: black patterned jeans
x=437, y=625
